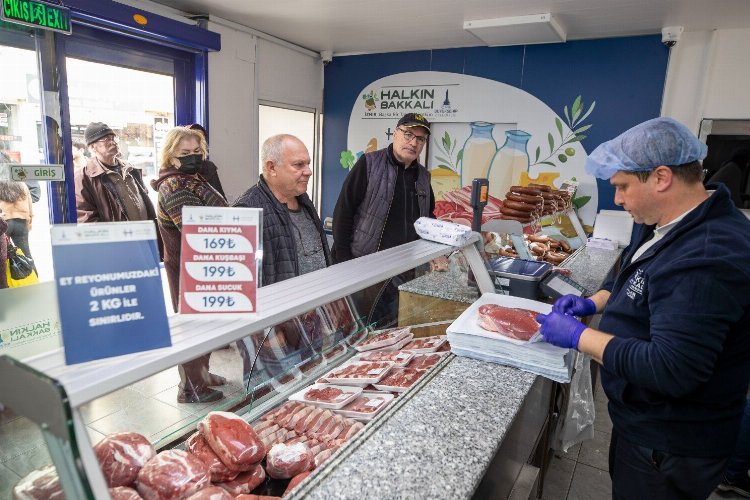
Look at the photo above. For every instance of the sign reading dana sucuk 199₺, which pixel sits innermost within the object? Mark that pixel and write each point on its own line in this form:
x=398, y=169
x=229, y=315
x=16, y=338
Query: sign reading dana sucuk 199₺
x=218, y=267
x=109, y=289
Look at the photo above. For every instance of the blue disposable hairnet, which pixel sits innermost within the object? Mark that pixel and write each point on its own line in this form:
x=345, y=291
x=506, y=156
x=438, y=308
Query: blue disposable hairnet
x=661, y=141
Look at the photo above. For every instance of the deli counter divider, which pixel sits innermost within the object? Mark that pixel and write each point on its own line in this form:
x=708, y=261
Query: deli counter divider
x=468, y=428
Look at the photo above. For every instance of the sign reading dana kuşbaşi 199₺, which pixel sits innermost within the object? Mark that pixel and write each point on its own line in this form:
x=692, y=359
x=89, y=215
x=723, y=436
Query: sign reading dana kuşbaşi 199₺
x=109, y=289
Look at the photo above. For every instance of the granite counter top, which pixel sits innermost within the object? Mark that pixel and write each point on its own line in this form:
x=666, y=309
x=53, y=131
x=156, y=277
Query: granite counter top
x=590, y=267
x=437, y=445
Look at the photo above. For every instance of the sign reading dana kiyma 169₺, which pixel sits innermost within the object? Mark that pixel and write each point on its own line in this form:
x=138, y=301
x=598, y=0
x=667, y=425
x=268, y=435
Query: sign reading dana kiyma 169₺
x=218, y=267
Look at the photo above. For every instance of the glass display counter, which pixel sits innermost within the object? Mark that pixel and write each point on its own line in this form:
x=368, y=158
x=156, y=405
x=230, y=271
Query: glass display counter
x=306, y=328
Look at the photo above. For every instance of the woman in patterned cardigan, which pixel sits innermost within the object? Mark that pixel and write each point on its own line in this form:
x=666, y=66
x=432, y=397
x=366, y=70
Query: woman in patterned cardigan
x=179, y=184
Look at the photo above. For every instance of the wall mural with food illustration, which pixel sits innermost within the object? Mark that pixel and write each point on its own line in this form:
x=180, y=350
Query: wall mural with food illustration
x=514, y=140
x=523, y=116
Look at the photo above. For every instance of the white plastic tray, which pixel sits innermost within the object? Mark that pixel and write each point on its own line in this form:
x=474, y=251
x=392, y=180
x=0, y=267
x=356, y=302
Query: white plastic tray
x=395, y=388
x=468, y=322
x=383, y=338
x=420, y=354
x=371, y=395
x=429, y=344
x=373, y=376
x=349, y=394
x=398, y=358
x=398, y=345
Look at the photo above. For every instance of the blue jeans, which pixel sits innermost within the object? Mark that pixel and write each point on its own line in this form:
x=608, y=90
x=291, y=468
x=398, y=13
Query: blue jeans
x=740, y=461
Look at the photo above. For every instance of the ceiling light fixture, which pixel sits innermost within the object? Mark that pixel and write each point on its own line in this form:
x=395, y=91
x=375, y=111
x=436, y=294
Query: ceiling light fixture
x=518, y=30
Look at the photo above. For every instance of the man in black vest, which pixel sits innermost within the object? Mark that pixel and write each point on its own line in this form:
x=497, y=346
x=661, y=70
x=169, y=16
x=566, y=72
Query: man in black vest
x=383, y=195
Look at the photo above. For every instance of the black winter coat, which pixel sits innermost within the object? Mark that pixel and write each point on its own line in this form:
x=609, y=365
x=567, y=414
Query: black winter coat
x=279, y=248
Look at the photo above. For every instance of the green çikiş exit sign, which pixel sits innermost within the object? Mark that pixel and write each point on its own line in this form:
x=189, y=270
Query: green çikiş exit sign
x=37, y=15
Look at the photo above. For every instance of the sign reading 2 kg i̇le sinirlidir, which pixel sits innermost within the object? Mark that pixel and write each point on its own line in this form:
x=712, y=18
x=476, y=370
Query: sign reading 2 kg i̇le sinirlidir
x=218, y=267
x=109, y=289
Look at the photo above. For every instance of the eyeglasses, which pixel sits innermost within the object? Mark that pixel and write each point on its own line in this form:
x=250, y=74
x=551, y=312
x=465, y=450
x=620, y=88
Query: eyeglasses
x=109, y=138
x=410, y=137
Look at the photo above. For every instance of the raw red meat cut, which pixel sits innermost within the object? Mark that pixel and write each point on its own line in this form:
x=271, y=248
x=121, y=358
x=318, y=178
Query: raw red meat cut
x=172, y=475
x=424, y=361
x=256, y=497
x=246, y=481
x=401, y=377
x=211, y=493
x=326, y=395
x=365, y=404
x=219, y=472
x=511, y=322
x=284, y=461
x=295, y=481
x=232, y=439
x=40, y=484
x=124, y=493
x=121, y=456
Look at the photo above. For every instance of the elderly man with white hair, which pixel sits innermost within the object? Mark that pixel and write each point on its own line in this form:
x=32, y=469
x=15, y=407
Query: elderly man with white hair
x=674, y=337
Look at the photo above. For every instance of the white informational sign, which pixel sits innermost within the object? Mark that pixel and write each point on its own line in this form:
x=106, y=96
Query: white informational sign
x=614, y=225
x=109, y=289
x=218, y=267
x=29, y=320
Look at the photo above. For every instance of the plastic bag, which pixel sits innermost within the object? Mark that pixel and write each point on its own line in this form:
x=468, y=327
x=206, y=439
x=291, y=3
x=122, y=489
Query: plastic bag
x=577, y=418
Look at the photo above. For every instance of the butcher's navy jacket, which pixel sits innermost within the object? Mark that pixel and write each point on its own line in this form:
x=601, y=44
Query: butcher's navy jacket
x=676, y=373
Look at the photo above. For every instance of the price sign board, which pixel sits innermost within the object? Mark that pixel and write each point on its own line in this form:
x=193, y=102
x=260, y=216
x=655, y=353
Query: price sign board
x=109, y=289
x=218, y=268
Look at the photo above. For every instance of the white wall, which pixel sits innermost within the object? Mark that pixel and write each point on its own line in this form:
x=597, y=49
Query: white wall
x=708, y=77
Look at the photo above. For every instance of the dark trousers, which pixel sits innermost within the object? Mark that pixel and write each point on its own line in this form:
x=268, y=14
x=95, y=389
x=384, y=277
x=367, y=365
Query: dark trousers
x=740, y=461
x=640, y=473
x=18, y=231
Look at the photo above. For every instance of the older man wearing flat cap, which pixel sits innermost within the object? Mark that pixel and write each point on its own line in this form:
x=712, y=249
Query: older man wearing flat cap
x=674, y=337
x=107, y=188
x=383, y=195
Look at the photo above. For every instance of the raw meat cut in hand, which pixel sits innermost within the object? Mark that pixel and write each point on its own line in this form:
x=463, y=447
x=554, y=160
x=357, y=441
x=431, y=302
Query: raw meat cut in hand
x=219, y=472
x=172, y=475
x=211, y=493
x=284, y=461
x=511, y=322
x=40, y=484
x=246, y=481
x=124, y=493
x=121, y=456
x=232, y=439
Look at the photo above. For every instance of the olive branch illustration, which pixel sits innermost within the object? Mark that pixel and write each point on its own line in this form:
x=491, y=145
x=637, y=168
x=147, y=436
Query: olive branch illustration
x=573, y=119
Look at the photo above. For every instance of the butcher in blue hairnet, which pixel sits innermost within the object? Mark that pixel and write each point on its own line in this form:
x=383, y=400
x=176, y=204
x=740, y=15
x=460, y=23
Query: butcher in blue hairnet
x=673, y=340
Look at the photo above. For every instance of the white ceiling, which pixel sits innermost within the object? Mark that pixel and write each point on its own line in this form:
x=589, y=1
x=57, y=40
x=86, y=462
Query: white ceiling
x=372, y=26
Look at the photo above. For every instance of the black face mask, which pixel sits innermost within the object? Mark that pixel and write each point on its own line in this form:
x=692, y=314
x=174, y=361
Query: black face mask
x=190, y=164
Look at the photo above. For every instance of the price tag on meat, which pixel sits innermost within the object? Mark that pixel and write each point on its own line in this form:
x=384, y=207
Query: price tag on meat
x=218, y=265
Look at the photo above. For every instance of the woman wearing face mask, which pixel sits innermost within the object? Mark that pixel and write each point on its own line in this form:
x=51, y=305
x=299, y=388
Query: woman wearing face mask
x=180, y=184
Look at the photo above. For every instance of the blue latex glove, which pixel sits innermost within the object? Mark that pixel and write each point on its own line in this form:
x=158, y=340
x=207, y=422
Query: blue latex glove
x=573, y=305
x=560, y=330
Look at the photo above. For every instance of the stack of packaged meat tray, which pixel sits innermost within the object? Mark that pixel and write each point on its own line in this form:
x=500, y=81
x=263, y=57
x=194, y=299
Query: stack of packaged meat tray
x=502, y=329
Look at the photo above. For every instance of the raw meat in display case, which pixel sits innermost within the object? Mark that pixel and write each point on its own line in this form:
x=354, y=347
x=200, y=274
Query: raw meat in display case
x=121, y=456
x=399, y=358
x=232, y=439
x=40, y=484
x=172, y=474
x=284, y=461
x=399, y=379
x=199, y=447
x=295, y=481
x=340, y=316
x=124, y=493
x=424, y=361
x=245, y=482
x=426, y=344
x=211, y=493
x=384, y=338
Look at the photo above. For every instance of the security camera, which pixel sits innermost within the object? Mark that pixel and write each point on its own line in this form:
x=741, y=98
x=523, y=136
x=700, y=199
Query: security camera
x=670, y=35
x=326, y=56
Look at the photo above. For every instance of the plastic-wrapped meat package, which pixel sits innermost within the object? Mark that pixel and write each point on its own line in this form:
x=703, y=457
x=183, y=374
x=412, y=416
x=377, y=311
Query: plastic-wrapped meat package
x=172, y=475
x=40, y=484
x=246, y=481
x=232, y=439
x=124, y=493
x=211, y=493
x=121, y=456
x=218, y=472
x=287, y=460
x=295, y=481
x=256, y=497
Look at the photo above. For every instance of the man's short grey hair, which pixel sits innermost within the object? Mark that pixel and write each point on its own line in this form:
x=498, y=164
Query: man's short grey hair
x=272, y=148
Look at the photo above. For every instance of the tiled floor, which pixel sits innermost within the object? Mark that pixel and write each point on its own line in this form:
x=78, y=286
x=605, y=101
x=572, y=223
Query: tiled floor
x=583, y=472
